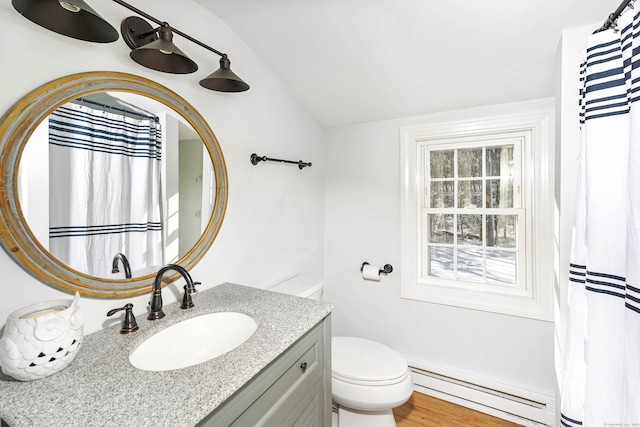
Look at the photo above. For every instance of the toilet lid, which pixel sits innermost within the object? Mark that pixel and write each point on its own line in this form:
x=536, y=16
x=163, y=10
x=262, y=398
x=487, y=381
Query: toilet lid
x=300, y=286
x=360, y=360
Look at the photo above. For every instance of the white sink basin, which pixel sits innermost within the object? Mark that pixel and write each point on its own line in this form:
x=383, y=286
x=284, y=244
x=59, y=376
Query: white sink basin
x=193, y=341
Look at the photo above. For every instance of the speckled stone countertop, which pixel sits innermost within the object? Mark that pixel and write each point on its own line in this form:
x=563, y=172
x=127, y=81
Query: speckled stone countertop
x=101, y=387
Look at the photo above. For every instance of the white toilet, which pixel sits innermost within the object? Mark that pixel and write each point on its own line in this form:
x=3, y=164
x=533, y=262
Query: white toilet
x=368, y=379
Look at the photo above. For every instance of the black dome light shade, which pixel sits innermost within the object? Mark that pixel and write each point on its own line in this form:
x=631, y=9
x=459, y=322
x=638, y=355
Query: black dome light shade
x=151, y=51
x=223, y=79
x=72, y=18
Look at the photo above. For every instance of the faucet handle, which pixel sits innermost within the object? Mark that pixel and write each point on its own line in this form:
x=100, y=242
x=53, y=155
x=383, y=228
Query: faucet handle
x=129, y=324
x=192, y=289
x=187, y=301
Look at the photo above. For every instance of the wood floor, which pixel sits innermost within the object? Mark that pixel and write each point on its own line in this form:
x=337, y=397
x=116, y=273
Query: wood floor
x=426, y=411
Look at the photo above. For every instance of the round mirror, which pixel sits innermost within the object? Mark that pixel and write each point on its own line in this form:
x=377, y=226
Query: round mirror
x=107, y=171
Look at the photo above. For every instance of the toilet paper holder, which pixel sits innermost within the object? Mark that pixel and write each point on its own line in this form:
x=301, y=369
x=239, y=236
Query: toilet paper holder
x=385, y=270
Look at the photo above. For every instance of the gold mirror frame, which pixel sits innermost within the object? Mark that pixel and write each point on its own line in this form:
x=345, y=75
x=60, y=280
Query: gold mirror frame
x=17, y=126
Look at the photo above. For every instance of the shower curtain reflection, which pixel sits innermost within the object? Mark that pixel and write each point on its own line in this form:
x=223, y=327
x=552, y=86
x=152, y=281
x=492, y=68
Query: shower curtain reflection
x=104, y=189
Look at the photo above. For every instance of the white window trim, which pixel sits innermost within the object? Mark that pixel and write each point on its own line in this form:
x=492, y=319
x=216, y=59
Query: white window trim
x=536, y=301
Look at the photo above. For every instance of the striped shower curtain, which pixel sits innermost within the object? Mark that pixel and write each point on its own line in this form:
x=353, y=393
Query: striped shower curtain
x=104, y=189
x=601, y=380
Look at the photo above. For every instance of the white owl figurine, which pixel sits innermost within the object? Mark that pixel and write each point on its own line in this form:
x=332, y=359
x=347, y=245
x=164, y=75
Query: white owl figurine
x=41, y=339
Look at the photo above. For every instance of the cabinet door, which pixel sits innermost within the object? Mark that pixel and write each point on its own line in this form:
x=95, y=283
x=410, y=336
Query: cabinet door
x=309, y=410
x=303, y=372
x=291, y=391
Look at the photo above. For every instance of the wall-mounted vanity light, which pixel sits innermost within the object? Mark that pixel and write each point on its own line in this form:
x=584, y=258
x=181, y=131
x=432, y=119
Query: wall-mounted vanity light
x=151, y=47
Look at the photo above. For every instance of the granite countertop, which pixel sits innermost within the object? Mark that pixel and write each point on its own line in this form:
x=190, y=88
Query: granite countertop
x=101, y=388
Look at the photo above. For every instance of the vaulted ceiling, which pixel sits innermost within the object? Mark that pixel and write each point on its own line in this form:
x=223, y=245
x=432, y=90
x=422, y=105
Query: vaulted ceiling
x=350, y=61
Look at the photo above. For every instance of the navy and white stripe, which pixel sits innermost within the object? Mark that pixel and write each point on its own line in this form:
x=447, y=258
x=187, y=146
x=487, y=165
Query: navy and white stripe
x=79, y=129
x=569, y=422
x=577, y=273
x=607, y=284
x=605, y=76
x=632, y=301
x=94, y=230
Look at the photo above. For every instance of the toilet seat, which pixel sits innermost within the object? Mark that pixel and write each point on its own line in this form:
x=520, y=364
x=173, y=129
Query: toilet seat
x=361, y=361
x=367, y=375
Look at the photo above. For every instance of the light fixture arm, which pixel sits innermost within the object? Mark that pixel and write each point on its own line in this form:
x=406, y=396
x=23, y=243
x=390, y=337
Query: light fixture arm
x=150, y=32
x=162, y=23
x=164, y=31
x=138, y=11
x=199, y=43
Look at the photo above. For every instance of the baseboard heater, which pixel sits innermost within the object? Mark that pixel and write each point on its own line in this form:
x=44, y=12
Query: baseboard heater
x=533, y=410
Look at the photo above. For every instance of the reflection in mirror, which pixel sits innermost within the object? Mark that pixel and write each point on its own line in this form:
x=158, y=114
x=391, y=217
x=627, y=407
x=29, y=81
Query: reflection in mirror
x=50, y=191
x=127, y=175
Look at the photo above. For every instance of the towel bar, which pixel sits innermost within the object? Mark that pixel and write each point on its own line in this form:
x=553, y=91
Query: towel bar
x=255, y=159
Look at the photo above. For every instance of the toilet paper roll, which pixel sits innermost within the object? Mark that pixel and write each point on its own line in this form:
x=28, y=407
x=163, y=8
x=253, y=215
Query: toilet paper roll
x=371, y=272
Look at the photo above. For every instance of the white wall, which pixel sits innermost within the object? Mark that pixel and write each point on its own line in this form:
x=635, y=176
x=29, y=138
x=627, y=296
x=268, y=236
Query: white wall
x=569, y=55
x=275, y=212
x=362, y=223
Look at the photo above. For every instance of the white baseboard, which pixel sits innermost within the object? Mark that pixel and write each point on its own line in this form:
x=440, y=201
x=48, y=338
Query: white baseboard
x=509, y=403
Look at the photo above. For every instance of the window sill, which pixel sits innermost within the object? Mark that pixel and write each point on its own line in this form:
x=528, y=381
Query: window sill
x=519, y=303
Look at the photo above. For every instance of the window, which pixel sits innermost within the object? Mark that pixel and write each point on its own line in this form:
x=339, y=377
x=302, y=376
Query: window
x=472, y=211
x=472, y=235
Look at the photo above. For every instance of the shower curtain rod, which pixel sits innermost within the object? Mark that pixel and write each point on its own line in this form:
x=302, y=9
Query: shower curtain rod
x=120, y=110
x=611, y=20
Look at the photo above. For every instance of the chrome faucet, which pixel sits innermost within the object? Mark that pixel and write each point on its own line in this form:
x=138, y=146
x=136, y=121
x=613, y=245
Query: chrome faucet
x=155, y=311
x=125, y=264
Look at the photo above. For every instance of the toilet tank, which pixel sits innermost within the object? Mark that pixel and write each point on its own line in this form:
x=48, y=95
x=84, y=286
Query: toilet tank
x=301, y=286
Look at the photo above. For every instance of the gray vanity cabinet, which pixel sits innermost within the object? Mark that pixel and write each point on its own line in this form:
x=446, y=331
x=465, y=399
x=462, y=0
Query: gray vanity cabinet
x=294, y=390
